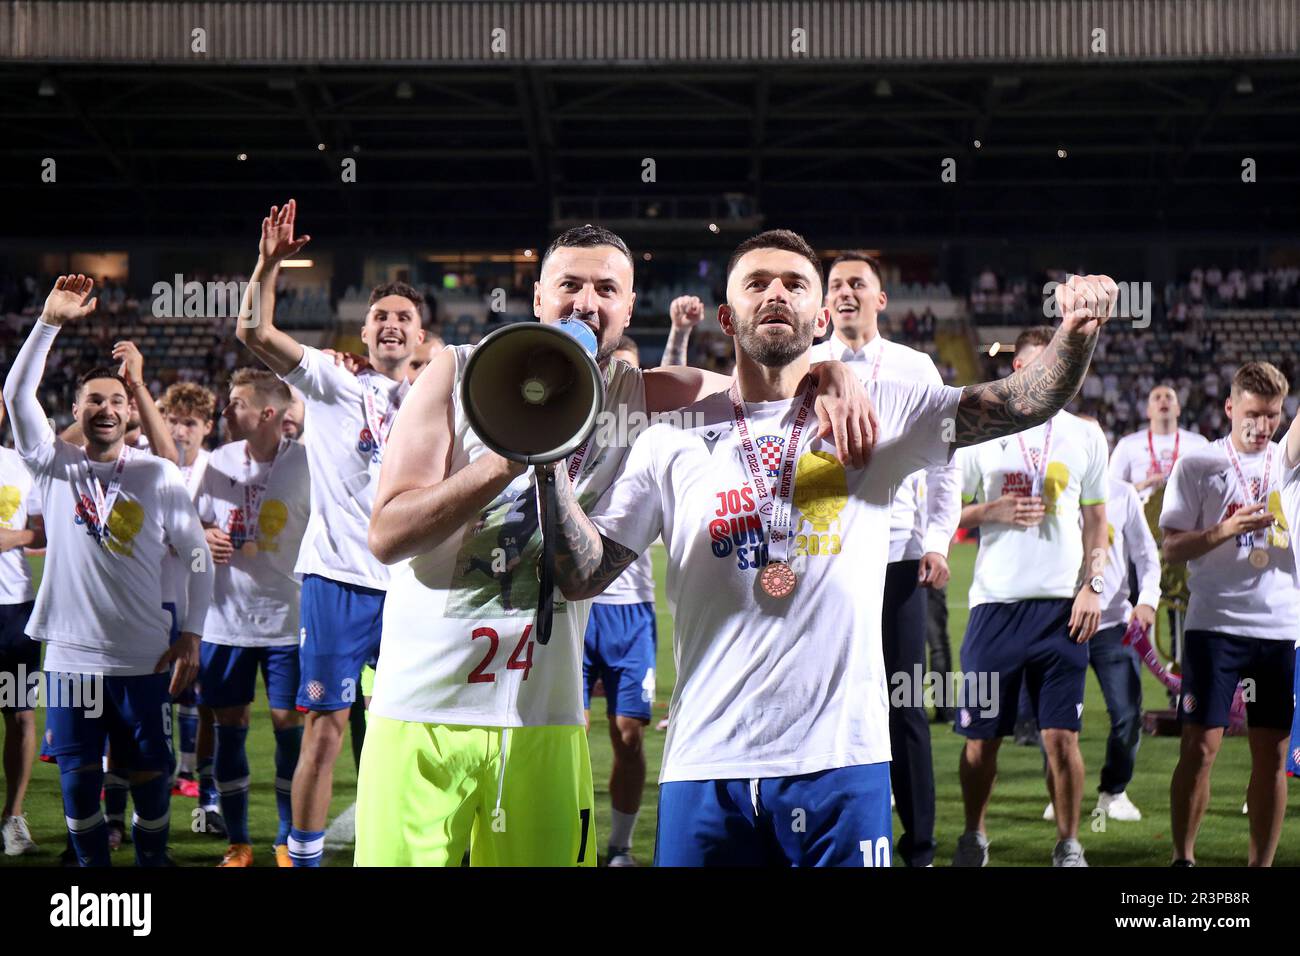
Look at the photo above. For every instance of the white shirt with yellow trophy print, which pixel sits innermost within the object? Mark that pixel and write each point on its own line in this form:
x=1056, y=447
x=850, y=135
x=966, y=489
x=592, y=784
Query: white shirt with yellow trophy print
x=458, y=642
x=766, y=686
x=264, y=507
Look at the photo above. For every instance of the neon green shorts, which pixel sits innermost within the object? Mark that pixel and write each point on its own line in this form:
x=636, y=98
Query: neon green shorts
x=516, y=796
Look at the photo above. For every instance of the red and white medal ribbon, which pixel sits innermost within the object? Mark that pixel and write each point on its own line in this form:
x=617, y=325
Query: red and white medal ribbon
x=1256, y=498
x=104, y=500
x=580, y=453
x=377, y=426
x=253, y=492
x=1156, y=466
x=1037, y=470
x=774, y=507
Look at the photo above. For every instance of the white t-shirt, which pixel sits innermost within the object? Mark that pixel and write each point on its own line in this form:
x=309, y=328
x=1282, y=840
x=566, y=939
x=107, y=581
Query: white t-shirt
x=255, y=598
x=18, y=499
x=774, y=687
x=636, y=585
x=1023, y=564
x=1291, y=499
x=458, y=641
x=927, y=506
x=1131, y=460
x=345, y=460
x=99, y=607
x=1130, y=540
x=1228, y=594
x=174, y=568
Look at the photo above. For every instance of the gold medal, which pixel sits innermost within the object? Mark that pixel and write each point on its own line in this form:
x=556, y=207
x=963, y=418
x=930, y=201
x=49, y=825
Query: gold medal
x=778, y=579
x=1258, y=558
x=249, y=549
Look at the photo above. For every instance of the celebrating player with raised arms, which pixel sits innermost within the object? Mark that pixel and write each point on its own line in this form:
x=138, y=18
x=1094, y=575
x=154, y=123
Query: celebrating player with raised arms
x=254, y=502
x=927, y=507
x=778, y=749
x=1030, y=615
x=476, y=734
x=110, y=514
x=349, y=418
x=1223, y=514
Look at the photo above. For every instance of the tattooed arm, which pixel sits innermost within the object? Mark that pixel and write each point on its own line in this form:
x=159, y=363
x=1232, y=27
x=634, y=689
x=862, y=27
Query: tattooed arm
x=585, y=560
x=1039, y=390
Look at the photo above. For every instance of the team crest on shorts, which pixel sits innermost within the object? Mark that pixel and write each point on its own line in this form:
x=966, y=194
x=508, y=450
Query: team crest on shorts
x=315, y=689
x=963, y=717
x=1295, y=755
x=1189, y=703
x=769, y=452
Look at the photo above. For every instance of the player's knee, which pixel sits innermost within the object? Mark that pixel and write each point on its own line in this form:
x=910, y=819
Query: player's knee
x=627, y=736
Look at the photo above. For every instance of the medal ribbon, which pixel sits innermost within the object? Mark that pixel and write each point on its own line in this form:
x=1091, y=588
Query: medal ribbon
x=1245, y=485
x=774, y=507
x=375, y=424
x=1151, y=447
x=104, y=500
x=253, y=491
x=580, y=453
x=1038, y=471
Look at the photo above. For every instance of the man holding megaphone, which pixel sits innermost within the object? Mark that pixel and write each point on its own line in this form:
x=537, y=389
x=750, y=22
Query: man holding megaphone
x=476, y=737
x=778, y=748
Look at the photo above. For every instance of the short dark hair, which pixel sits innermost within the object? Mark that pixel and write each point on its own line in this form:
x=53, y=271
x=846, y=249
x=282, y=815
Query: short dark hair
x=587, y=237
x=786, y=239
x=854, y=255
x=403, y=289
x=1034, y=335
x=101, y=371
x=628, y=344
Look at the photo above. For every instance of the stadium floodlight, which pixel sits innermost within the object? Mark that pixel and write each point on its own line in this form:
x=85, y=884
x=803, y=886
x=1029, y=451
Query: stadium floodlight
x=297, y=263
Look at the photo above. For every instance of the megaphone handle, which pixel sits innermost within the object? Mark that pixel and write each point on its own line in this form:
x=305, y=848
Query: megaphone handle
x=546, y=592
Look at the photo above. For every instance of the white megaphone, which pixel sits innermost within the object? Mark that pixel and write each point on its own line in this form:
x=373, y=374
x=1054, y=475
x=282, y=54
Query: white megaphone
x=532, y=393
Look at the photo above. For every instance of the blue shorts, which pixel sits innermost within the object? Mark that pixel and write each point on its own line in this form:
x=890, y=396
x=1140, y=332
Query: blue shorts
x=20, y=656
x=837, y=817
x=133, y=715
x=341, y=624
x=228, y=675
x=1024, y=642
x=189, y=696
x=619, y=650
x=1213, y=664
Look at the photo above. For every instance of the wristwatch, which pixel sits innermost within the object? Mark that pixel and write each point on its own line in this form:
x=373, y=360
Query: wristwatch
x=1097, y=583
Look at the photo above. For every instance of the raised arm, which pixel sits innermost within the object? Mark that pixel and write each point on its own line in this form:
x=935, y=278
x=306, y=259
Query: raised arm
x=151, y=420
x=280, y=351
x=417, y=504
x=68, y=300
x=1292, y=444
x=685, y=314
x=1042, y=388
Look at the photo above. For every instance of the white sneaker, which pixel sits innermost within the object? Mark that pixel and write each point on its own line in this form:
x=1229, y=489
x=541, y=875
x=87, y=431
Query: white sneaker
x=1050, y=812
x=17, y=838
x=1245, y=808
x=621, y=858
x=972, y=849
x=1118, y=806
x=1068, y=853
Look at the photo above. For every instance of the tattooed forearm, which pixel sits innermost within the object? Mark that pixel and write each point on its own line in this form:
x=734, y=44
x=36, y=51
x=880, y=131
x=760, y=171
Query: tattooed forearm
x=1028, y=397
x=585, y=560
x=675, y=350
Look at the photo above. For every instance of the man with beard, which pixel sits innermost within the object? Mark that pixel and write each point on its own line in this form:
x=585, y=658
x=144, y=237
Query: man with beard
x=343, y=585
x=778, y=750
x=476, y=736
x=110, y=515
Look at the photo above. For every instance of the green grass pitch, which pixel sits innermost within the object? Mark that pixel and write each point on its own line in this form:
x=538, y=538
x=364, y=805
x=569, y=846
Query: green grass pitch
x=1017, y=833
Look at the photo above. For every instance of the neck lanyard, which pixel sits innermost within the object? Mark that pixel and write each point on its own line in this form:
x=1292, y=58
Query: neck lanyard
x=1264, y=478
x=102, y=499
x=253, y=491
x=1037, y=469
x=378, y=427
x=1151, y=447
x=774, y=504
x=580, y=453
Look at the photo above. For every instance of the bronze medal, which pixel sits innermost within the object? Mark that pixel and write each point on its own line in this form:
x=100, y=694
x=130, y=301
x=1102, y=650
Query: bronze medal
x=777, y=580
x=1258, y=558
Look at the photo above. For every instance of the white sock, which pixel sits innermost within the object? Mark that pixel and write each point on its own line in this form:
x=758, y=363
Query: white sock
x=621, y=826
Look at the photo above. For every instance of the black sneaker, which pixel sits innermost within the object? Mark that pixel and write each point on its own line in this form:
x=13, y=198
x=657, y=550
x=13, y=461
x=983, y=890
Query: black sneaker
x=214, y=823
x=620, y=856
x=1183, y=863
